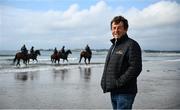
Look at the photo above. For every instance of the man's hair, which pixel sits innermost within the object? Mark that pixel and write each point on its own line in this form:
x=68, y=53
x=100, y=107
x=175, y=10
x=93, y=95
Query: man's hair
x=118, y=19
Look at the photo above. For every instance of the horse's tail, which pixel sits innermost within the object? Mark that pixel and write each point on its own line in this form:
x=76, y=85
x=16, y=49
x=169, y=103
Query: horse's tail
x=15, y=59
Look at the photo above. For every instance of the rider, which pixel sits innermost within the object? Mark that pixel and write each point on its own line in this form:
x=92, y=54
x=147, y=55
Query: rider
x=62, y=50
x=87, y=48
x=24, y=50
x=55, y=51
x=32, y=50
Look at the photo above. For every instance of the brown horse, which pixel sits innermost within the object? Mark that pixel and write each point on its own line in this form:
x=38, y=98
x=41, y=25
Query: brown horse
x=59, y=55
x=20, y=56
x=86, y=55
x=34, y=55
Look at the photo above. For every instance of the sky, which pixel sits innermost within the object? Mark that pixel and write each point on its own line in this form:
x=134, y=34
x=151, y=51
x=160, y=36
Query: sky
x=46, y=24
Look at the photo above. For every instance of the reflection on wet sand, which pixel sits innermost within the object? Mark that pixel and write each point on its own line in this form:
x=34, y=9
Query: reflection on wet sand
x=21, y=76
x=24, y=76
x=85, y=73
x=60, y=73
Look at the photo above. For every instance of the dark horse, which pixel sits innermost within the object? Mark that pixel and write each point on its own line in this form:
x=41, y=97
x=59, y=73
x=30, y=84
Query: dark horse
x=34, y=55
x=86, y=55
x=59, y=55
x=20, y=56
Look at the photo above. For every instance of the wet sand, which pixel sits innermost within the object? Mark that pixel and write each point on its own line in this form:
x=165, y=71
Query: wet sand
x=79, y=88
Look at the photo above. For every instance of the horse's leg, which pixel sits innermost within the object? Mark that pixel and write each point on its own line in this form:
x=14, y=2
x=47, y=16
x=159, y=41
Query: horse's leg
x=85, y=60
x=36, y=60
x=52, y=60
x=14, y=60
x=25, y=62
x=18, y=62
x=80, y=59
x=89, y=59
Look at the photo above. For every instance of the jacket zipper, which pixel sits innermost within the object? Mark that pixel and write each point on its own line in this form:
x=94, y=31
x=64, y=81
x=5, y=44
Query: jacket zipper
x=112, y=51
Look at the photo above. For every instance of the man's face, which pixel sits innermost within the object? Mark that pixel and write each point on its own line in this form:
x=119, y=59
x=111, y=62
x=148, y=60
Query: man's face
x=118, y=30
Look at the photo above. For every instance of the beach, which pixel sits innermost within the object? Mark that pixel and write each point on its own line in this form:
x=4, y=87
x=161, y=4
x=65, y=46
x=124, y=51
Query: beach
x=158, y=86
x=77, y=86
x=63, y=87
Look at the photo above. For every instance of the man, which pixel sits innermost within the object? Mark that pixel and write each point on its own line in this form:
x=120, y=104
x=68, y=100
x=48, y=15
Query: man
x=122, y=67
x=32, y=50
x=55, y=51
x=87, y=49
x=24, y=50
x=62, y=49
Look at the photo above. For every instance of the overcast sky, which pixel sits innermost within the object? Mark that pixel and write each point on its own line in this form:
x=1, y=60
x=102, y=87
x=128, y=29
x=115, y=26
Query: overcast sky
x=155, y=24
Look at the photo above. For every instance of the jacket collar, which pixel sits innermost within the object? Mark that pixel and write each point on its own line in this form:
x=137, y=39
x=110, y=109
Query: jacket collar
x=119, y=40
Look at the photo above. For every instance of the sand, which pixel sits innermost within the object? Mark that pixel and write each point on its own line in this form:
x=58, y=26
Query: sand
x=79, y=88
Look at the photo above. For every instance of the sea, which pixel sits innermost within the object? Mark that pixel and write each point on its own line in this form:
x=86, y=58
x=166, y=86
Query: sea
x=98, y=58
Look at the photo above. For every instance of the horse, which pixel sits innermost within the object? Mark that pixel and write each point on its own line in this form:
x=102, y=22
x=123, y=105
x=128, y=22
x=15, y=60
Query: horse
x=34, y=55
x=85, y=55
x=20, y=56
x=60, y=55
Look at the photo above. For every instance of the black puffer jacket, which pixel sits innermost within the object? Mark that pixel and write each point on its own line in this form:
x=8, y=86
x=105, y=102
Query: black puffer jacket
x=122, y=67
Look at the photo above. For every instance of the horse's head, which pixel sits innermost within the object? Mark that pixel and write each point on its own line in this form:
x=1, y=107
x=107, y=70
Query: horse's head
x=68, y=52
x=37, y=52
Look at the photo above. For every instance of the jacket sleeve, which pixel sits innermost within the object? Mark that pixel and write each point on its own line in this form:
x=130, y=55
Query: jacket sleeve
x=134, y=67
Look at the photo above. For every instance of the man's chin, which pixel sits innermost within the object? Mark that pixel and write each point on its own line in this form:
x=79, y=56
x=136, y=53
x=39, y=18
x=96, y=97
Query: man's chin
x=116, y=36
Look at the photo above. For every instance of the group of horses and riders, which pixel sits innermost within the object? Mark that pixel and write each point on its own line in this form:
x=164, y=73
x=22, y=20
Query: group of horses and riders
x=62, y=54
x=56, y=56
x=25, y=56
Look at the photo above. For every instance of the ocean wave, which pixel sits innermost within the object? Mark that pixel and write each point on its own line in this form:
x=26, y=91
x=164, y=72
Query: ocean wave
x=174, y=60
x=161, y=60
x=46, y=67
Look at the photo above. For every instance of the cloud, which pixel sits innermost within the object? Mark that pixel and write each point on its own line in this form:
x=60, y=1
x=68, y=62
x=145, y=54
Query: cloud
x=76, y=28
x=160, y=14
x=155, y=24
